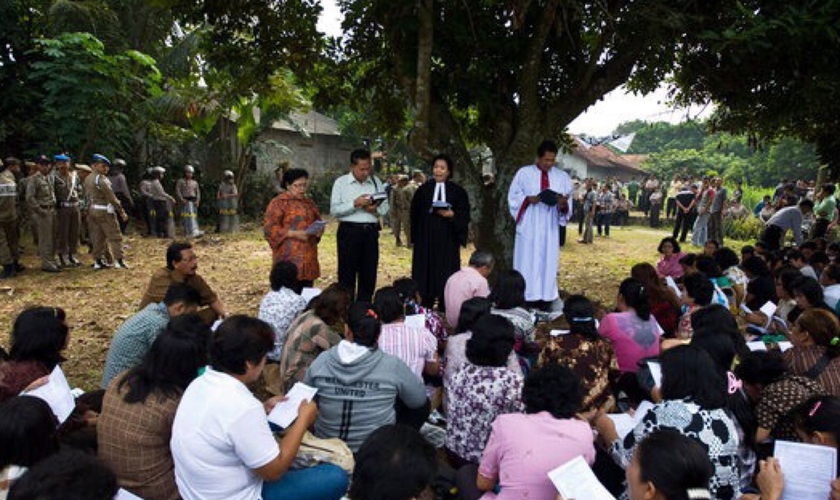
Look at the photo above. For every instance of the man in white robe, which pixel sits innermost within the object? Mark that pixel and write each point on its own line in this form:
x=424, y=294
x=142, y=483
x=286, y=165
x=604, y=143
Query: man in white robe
x=536, y=249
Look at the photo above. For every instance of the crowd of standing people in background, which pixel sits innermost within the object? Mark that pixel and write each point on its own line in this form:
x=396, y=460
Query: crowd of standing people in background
x=66, y=205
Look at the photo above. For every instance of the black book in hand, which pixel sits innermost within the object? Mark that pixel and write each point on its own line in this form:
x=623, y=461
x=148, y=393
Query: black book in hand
x=549, y=197
x=378, y=197
x=441, y=205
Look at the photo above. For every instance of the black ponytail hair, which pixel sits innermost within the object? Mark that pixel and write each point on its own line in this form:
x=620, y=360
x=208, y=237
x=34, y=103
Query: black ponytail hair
x=363, y=321
x=636, y=296
x=580, y=313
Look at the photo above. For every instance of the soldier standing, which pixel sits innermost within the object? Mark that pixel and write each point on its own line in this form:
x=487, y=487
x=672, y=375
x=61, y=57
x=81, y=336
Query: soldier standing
x=8, y=222
x=121, y=191
x=104, y=207
x=68, y=220
x=401, y=210
x=40, y=199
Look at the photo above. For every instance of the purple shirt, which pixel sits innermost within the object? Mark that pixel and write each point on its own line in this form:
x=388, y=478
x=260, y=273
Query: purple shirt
x=460, y=287
x=522, y=449
x=632, y=338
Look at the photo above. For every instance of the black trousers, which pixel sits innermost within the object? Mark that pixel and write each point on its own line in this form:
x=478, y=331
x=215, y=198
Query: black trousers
x=161, y=218
x=670, y=207
x=358, y=258
x=683, y=223
x=772, y=237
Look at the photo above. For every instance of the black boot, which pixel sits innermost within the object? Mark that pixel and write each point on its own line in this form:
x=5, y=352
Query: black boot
x=19, y=268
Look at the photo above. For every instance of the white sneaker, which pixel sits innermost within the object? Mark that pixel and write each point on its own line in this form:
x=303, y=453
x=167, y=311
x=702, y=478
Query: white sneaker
x=120, y=264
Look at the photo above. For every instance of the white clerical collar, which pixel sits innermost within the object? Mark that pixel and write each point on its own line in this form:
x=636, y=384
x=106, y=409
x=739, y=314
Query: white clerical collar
x=440, y=192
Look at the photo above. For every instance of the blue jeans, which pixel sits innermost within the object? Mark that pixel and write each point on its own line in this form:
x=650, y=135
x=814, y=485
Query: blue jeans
x=322, y=482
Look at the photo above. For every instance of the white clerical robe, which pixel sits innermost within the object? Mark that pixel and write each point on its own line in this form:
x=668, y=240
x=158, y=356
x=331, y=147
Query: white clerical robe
x=536, y=250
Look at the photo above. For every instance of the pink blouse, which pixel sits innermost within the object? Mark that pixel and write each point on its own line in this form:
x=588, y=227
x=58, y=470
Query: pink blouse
x=670, y=266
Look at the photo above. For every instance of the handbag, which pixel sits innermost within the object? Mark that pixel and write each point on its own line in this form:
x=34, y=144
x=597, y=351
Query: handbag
x=314, y=450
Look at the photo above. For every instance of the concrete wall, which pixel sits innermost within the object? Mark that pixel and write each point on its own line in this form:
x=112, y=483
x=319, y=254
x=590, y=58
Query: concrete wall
x=317, y=153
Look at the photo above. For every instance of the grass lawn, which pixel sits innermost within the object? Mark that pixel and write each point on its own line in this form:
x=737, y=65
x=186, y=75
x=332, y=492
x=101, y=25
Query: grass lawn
x=237, y=267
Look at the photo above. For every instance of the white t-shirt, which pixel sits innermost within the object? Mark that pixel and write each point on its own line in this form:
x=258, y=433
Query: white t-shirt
x=220, y=435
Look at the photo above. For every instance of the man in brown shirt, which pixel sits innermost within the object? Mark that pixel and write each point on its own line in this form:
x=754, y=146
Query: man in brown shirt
x=102, y=216
x=181, y=266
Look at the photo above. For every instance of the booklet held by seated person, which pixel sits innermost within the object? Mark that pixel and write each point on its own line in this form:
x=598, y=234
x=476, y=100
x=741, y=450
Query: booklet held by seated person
x=285, y=412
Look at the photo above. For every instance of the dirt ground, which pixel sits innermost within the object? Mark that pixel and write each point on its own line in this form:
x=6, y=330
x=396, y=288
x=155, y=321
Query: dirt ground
x=237, y=267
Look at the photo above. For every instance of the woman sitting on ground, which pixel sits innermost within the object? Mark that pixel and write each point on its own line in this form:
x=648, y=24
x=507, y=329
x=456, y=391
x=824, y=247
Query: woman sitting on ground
x=135, y=426
x=416, y=347
x=694, y=404
x=27, y=436
x=221, y=443
x=582, y=350
x=410, y=295
x=481, y=389
x=669, y=263
x=818, y=422
x=311, y=333
x=697, y=292
x=360, y=386
x=728, y=261
x=508, y=297
x=774, y=393
x=39, y=336
x=633, y=332
x=707, y=265
x=456, y=347
x=816, y=349
x=524, y=448
x=669, y=466
x=663, y=301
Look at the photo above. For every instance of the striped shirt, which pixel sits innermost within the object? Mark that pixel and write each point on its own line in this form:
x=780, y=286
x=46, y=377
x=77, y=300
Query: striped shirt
x=414, y=346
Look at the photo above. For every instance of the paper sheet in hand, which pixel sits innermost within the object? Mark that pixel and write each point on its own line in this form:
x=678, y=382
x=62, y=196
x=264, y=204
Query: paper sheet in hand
x=625, y=423
x=673, y=285
x=768, y=309
x=808, y=470
x=126, y=495
x=309, y=293
x=57, y=394
x=285, y=412
x=784, y=345
x=655, y=372
x=316, y=227
x=415, y=320
x=757, y=345
x=575, y=479
x=557, y=333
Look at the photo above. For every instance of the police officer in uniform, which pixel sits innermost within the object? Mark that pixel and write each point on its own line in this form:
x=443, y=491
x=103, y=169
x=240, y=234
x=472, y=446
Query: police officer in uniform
x=40, y=200
x=68, y=220
x=102, y=218
x=8, y=222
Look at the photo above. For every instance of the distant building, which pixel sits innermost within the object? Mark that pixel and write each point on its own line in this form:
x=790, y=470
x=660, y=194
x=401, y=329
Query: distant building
x=308, y=140
x=599, y=162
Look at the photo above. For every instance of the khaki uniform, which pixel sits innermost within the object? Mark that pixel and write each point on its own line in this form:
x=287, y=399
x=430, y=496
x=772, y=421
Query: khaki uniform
x=40, y=200
x=68, y=219
x=8, y=219
x=103, y=207
x=401, y=212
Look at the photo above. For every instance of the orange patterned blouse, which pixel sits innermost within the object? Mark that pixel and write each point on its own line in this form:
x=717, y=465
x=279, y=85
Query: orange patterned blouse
x=285, y=214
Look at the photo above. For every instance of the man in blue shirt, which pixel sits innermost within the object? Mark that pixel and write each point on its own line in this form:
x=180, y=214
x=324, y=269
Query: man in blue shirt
x=135, y=337
x=358, y=200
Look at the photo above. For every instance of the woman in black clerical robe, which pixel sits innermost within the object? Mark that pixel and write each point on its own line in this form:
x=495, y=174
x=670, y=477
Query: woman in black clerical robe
x=440, y=218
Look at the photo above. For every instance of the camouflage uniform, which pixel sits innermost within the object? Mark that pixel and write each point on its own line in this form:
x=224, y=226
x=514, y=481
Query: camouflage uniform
x=401, y=212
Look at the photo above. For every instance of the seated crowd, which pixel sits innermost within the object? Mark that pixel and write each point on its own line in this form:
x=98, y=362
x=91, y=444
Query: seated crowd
x=693, y=343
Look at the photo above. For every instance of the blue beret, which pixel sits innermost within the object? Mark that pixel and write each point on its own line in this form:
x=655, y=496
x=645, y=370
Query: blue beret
x=61, y=158
x=101, y=158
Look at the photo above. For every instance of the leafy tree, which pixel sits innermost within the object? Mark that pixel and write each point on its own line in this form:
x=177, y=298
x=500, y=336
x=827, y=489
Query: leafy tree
x=88, y=98
x=771, y=68
x=498, y=73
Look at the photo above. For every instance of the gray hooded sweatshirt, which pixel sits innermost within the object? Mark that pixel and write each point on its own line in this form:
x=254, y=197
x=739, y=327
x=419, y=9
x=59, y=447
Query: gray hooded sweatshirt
x=356, y=394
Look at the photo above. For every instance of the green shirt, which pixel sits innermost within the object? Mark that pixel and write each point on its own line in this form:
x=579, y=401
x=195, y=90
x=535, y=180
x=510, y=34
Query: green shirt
x=825, y=208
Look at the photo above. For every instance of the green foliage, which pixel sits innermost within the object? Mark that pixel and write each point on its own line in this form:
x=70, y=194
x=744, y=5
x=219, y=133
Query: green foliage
x=746, y=229
x=771, y=68
x=88, y=98
x=689, y=148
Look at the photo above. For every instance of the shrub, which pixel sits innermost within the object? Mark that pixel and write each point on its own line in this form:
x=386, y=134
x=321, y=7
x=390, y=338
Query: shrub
x=746, y=229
